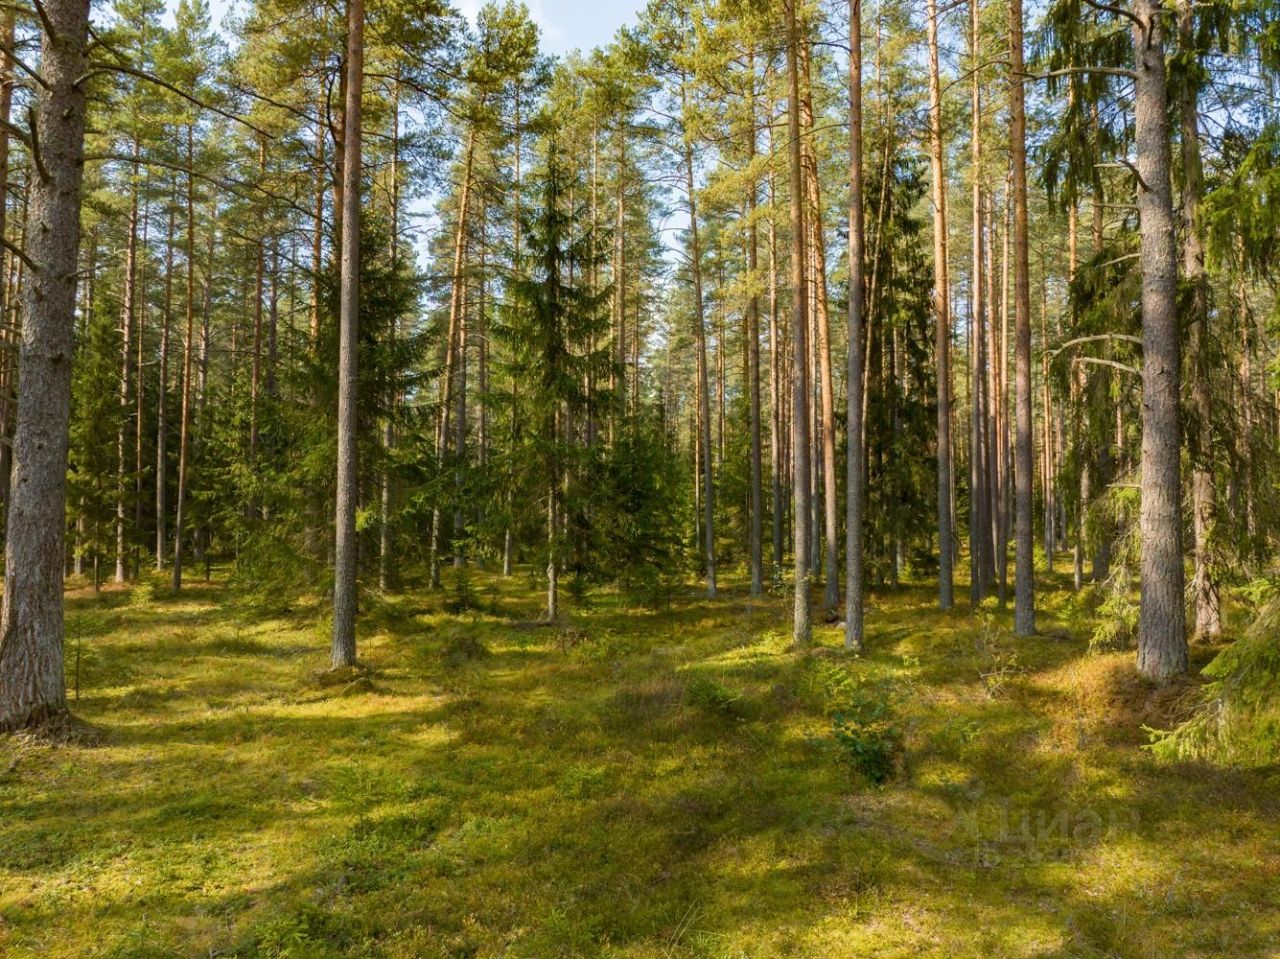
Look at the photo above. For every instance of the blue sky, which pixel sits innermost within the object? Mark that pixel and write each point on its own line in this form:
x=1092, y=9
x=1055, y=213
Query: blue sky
x=572, y=24
x=565, y=24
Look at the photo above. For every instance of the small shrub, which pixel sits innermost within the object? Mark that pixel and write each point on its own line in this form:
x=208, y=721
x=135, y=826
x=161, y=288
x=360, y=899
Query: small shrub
x=713, y=697
x=865, y=733
x=462, y=647
x=463, y=598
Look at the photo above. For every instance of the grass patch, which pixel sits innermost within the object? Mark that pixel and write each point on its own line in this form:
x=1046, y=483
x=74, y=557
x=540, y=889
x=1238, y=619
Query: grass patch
x=631, y=782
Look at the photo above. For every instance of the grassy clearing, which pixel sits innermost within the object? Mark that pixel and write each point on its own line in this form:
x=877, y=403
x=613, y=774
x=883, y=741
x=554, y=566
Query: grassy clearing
x=634, y=784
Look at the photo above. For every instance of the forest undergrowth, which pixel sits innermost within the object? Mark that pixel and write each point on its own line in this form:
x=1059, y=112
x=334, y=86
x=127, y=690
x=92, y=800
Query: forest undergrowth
x=628, y=783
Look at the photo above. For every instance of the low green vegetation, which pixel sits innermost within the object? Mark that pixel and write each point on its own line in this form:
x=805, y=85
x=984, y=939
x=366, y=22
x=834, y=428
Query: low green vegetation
x=629, y=783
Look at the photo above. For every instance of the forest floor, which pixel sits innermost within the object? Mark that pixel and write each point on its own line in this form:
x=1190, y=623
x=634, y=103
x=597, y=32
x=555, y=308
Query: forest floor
x=634, y=783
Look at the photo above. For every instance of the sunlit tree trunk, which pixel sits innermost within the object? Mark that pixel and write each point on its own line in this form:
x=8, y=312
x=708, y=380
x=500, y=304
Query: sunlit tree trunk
x=32, y=689
x=856, y=451
x=346, y=545
x=1024, y=616
x=1204, y=503
x=1162, y=640
x=942, y=315
x=756, y=546
x=704, y=399
x=802, y=624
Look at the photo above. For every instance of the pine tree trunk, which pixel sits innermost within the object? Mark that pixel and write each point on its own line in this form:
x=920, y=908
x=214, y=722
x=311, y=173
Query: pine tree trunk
x=942, y=317
x=162, y=396
x=855, y=442
x=1024, y=614
x=704, y=399
x=1162, y=640
x=32, y=688
x=1204, y=504
x=6, y=360
x=756, y=558
x=184, y=428
x=346, y=545
x=802, y=626
x=776, y=422
x=127, y=313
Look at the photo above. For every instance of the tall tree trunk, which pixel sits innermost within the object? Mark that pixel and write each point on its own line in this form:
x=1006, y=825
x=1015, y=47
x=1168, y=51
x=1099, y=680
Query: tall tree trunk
x=184, y=427
x=128, y=312
x=457, y=303
x=6, y=361
x=855, y=442
x=139, y=392
x=1204, y=504
x=32, y=688
x=776, y=422
x=346, y=544
x=942, y=316
x=824, y=415
x=1024, y=613
x=704, y=399
x=317, y=236
x=162, y=396
x=392, y=398
x=1162, y=639
x=980, y=546
x=802, y=628
x=756, y=558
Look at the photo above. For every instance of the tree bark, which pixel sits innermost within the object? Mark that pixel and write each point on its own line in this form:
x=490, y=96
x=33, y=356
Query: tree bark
x=346, y=545
x=162, y=396
x=1204, y=503
x=802, y=627
x=32, y=688
x=184, y=428
x=1024, y=614
x=756, y=558
x=942, y=316
x=1162, y=640
x=856, y=451
x=704, y=399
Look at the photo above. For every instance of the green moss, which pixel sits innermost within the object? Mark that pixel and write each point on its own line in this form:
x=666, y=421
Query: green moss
x=632, y=783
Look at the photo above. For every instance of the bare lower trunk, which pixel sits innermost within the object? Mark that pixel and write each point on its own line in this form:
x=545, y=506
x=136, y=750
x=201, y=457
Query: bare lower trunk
x=32, y=688
x=856, y=452
x=1024, y=615
x=942, y=318
x=1204, y=502
x=802, y=622
x=346, y=545
x=704, y=399
x=1162, y=640
x=188, y=347
x=756, y=546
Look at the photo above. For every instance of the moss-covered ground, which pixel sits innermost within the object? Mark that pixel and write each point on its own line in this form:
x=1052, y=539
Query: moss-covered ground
x=632, y=783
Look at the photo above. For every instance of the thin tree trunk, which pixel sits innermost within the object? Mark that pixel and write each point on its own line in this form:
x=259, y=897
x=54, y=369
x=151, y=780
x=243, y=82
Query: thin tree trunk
x=704, y=400
x=346, y=546
x=162, y=397
x=942, y=315
x=756, y=558
x=856, y=450
x=1204, y=503
x=802, y=627
x=823, y=415
x=184, y=429
x=1024, y=616
x=128, y=311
